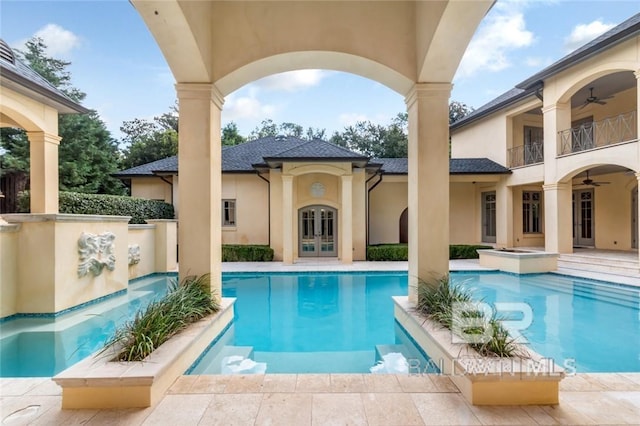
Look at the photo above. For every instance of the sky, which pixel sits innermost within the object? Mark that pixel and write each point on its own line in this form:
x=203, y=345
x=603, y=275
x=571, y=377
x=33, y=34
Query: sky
x=115, y=60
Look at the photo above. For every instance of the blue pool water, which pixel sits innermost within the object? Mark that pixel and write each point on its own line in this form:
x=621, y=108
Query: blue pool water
x=312, y=323
x=43, y=347
x=344, y=322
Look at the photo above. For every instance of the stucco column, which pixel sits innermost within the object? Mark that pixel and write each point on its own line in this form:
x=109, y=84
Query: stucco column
x=43, y=157
x=199, y=226
x=558, y=220
x=637, y=74
x=346, y=217
x=556, y=117
x=428, y=197
x=638, y=213
x=504, y=215
x=287, y=219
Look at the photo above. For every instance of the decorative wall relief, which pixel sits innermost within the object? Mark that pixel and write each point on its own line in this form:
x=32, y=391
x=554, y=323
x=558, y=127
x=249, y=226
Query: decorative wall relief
x=96, y=253
x=134, y=254
x=317, y=189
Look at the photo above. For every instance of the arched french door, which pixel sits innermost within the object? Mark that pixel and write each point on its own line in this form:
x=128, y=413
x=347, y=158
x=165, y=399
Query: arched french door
x=404, y=226
x=317, y=231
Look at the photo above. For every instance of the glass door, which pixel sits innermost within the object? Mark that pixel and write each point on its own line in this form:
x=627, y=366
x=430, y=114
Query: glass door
x=489, y=217
x=583, y=220
x=317, y=231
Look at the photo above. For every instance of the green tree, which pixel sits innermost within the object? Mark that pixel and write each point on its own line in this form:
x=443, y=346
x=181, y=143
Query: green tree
x=375, y=140
x=231, y=136
x=269, y=128
x=87, y=154
x=458, y=110
x=150, y=140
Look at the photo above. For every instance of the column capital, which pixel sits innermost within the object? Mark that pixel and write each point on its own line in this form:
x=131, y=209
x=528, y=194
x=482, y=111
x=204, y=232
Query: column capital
x=346, y=178
x=203, y=91
x=557, y=106
x=428, y=90
x=44, y=137
x=637, y=74
x=286, y=178
x=559, y=186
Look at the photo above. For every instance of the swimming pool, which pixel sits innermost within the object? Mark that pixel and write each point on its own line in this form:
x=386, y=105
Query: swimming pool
x=327, y=316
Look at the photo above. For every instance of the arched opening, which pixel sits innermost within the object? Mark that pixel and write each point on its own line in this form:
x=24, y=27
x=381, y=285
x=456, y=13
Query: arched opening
x=317, y=231
x=404, y=227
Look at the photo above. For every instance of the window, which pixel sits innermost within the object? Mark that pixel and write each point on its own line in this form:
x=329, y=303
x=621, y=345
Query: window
x=228, y=212
x=531, y=221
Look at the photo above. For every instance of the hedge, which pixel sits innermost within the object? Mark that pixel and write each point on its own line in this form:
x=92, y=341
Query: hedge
x=391, y=252
x=462, y=251
x=109, y=205
x=246, y=253
x=388, y=252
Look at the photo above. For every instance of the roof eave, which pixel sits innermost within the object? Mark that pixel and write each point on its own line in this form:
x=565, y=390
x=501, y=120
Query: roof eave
x=27, y=87
x=515, y=99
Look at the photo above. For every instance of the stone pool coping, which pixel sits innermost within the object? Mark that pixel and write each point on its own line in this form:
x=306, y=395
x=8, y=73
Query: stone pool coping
x=96, y=382
x=530, y=380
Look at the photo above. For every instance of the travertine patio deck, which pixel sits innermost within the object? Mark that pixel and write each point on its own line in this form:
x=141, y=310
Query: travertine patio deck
x=330, y=399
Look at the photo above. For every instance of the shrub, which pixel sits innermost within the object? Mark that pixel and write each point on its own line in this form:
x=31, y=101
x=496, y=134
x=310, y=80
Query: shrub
x=388, y=252
x=111, y=205
x=184, y=304
x=437, y=303
x=246, y=253
x=463, y=251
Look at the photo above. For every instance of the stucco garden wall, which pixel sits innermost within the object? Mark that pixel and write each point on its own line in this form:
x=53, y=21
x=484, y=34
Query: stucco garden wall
x=41, y=257
x=8, y=270
x=387, y=201
x=251, y=194
x=152, y=188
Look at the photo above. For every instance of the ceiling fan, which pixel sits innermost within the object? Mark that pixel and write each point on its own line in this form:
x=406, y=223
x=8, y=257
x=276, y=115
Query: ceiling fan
x=591, y=99
x=591, y=182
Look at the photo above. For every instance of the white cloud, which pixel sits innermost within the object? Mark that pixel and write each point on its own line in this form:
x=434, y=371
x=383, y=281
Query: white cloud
x=60, y=42
x=246, y=107
x=584, y=33
x=351, y=118
x=501, y=33
x=292, y=80
x=537, y=61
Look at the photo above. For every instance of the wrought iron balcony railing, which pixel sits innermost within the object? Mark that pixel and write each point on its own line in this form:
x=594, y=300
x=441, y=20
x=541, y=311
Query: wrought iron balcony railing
x=610, y=131
x=523, y=155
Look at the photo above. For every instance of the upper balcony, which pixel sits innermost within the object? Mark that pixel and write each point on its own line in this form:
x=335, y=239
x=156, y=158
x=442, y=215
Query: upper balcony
x=525, y=155
x=614, y=130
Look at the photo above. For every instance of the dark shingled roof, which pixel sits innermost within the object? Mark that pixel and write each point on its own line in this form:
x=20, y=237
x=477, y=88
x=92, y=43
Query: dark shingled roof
x=242, y=158
x=457, y=166
x=167, y=165
x=20, y=77
x=624, y=31
x=314, y=149
x=506, y=99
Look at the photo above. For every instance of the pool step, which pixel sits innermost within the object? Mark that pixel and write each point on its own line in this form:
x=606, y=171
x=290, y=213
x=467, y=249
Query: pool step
x=212, y=362
x=317, y=362
x=607, y=293
x=382, y=350
x=608, y=265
